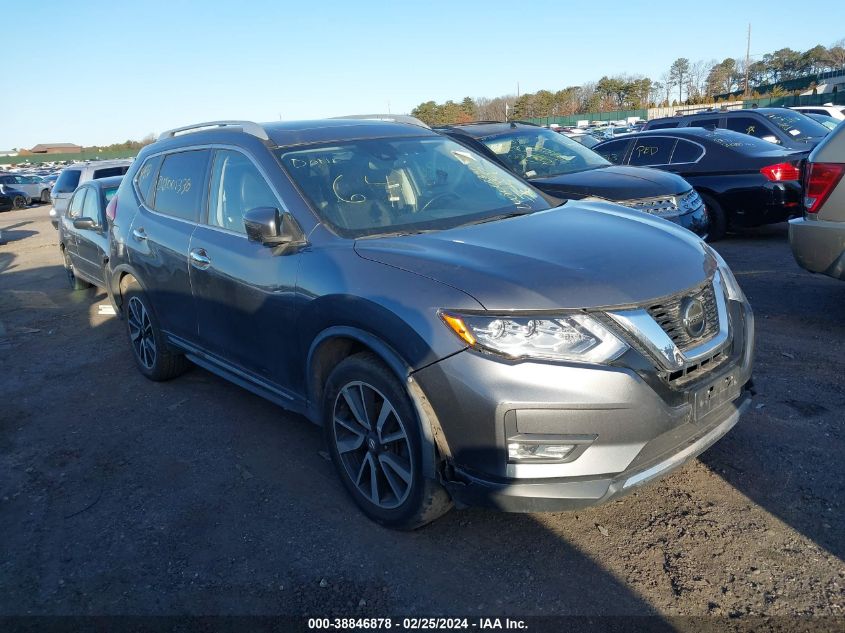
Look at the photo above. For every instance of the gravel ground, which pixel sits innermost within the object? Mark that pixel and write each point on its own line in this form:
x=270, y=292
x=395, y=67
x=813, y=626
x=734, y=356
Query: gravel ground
x=123, y=496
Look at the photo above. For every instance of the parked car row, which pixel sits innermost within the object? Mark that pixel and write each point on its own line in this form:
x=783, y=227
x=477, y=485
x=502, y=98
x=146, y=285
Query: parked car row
x=462, y=327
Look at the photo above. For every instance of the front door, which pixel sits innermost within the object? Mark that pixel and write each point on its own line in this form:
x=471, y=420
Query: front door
x=244, y=293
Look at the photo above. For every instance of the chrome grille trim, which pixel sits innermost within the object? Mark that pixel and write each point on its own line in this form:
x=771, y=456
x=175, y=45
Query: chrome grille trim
x=640, y=325
x=665, y=205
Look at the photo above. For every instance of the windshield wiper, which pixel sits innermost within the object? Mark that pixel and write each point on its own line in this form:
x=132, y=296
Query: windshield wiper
x=502, y=216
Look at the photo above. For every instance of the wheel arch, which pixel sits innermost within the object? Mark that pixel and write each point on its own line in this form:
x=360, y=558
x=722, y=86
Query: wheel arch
x=334, y=344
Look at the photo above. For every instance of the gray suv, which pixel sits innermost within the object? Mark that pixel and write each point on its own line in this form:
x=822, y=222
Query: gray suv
x=458, y=337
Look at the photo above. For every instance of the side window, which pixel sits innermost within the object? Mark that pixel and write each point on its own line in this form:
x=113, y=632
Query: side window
x=107, y=172
x=686, y=152
x=236, y=187
x=653, y=150
x=75, y=208
x=614, y=151
x=68, y=181
x=90, y=208
x=145, y=177
x=749, y=125
x=710, y=122
x=7, y=180
x=178, y=190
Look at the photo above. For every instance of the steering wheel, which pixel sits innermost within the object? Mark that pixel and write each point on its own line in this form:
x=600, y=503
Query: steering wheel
x=446, y=195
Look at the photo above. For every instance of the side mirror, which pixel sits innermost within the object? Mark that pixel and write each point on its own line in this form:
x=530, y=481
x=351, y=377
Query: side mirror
x=85, y=223
x=771, y=138
x=270, y=227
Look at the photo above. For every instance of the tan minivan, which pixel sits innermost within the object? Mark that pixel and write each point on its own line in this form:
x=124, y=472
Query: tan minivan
x=818, y=239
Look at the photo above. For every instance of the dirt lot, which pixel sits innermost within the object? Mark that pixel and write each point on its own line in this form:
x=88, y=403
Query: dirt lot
x=122, y=496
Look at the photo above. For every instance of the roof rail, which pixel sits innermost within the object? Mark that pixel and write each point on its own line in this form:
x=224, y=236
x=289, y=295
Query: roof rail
x=248, y=127
x=396, y=118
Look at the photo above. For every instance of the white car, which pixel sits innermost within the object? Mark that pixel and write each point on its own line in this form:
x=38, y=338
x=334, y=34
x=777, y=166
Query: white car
x=33, y=186
x=837, y=112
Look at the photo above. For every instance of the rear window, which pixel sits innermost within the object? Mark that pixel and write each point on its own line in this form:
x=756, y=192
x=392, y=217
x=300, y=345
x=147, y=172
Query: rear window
x=652, y=151
x=741, y=143
x=178, y=190
x=796, y=124
x=108, y=194
x=107, y=172
x=68, y=181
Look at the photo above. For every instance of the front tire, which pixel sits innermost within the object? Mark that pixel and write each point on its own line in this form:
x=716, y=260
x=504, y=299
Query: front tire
x=373, y=438
x=154, y=358
x=19, y=202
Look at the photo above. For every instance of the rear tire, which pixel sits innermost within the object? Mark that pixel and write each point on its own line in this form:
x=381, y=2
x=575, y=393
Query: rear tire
x=75, y=282
x=373, y=437
x=45, y=196
x=154, y=358
x=718, y=219
x=19, y=202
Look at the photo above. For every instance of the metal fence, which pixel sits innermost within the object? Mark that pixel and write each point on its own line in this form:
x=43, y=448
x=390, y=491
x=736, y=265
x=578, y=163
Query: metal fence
x=572, y=119
x=836, y=98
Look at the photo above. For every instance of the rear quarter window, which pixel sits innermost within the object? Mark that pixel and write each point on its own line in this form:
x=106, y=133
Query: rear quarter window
x=652, y=151
x=68, y=181
x=145, y=177
x=178, y=189
x=107, y=172
x=686, y=152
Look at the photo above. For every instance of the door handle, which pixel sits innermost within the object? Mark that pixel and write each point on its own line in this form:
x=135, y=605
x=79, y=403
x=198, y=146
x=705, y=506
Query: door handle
x=199, y=258
x=139, y=234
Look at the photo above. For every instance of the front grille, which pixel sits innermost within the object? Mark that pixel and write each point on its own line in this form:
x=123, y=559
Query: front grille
x=663, y=205
x=667, y=313
x=691, y=372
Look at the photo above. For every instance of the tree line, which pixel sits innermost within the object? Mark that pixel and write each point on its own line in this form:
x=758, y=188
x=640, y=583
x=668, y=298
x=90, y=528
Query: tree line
x=684, y=82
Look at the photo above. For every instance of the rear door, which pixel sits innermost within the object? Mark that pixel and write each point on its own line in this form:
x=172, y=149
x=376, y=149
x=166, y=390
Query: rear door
x=244, y=291
x=160, y=237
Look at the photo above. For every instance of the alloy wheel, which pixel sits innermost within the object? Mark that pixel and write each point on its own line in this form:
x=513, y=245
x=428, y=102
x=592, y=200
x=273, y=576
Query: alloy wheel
x=141, y=333
x=372, y=443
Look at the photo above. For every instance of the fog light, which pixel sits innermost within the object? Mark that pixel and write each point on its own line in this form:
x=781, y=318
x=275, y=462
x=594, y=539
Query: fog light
x=524, y=451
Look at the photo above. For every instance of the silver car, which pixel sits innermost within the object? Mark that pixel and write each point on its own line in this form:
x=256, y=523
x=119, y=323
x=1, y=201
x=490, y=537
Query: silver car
x=33, y=186
x=818, y=238
x=78, y=174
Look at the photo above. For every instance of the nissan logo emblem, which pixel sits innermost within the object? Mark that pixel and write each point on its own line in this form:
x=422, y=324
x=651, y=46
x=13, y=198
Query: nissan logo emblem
x=692, y=316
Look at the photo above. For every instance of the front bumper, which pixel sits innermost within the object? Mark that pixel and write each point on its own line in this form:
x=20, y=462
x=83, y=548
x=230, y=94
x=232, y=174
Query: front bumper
x=633, y=425
x=695, y=221
x=819, y=246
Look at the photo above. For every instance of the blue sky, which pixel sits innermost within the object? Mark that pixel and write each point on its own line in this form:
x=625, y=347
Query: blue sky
x=105, y=71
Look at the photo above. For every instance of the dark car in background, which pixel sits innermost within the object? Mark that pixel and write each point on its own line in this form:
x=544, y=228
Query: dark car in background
x=12, y=198
x=456, y=335
x=83, y=233
x=781, y=126
x=564, y=168
x=744, y=181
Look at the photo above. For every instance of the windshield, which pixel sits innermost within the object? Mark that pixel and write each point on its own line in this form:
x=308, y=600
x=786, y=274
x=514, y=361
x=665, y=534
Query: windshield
x=796, y=124
x=538, y=153
x=380, y=186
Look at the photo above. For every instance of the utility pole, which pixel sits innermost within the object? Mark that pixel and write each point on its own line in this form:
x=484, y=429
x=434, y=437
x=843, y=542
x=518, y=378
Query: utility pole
x=747, y=59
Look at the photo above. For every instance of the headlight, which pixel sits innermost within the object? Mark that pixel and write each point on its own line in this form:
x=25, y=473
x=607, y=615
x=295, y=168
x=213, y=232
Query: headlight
x=575, y=337
x=732, y=289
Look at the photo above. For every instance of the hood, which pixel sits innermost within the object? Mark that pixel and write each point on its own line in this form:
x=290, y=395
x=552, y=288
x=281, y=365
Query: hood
x=614, y=182
x=579, y=255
